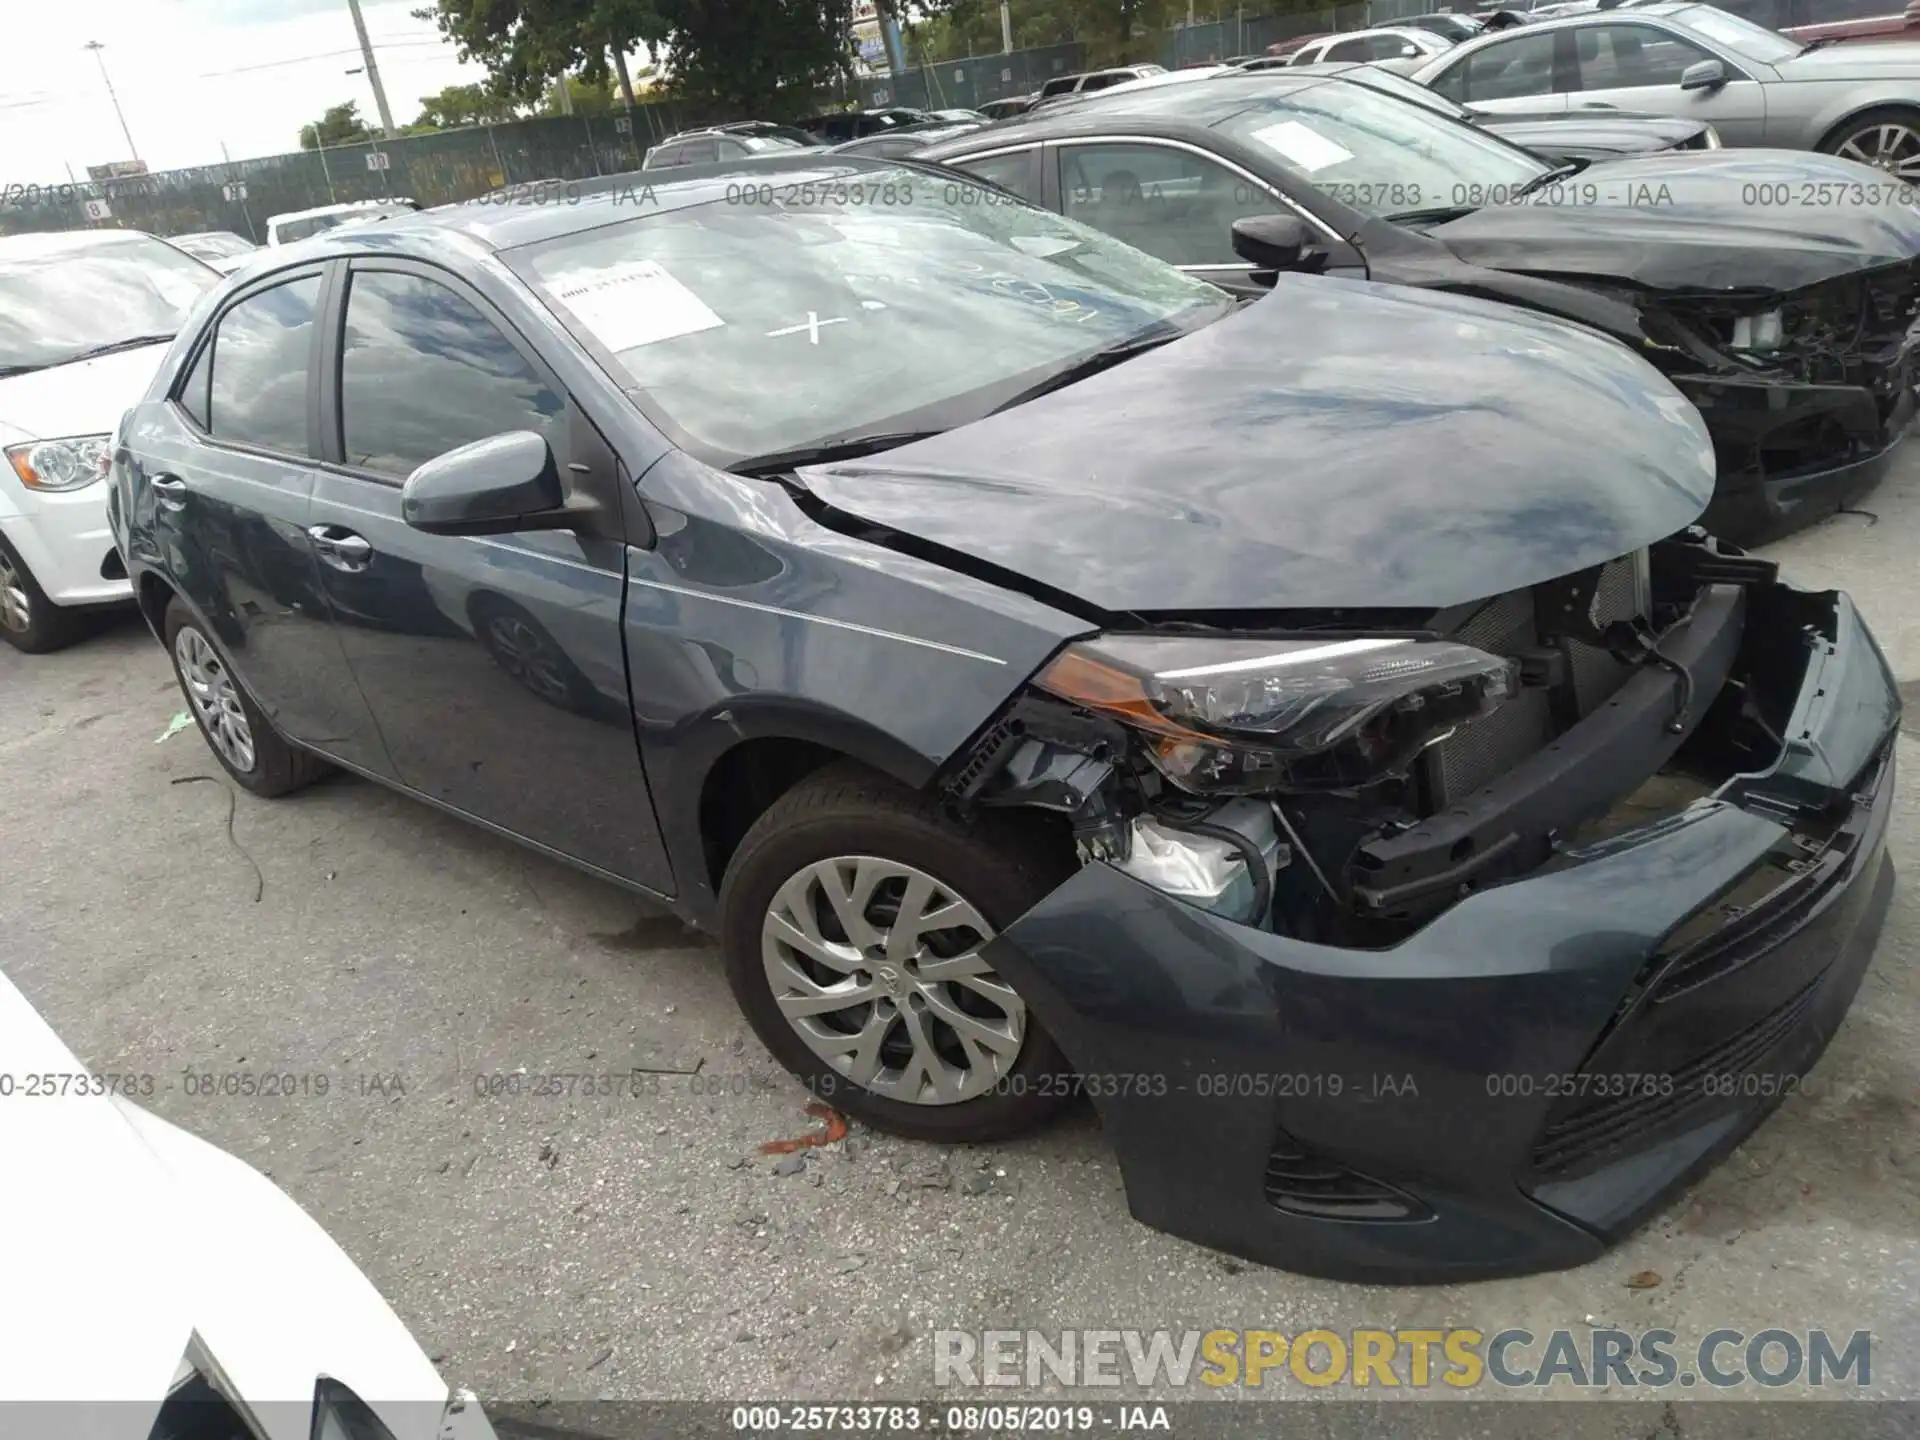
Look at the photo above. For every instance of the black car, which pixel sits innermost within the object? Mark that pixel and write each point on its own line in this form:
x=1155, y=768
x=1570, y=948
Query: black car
x=1792, y=338
x=1308, y=727
x=908, y=139
x=836, y=127
x=1556, y=136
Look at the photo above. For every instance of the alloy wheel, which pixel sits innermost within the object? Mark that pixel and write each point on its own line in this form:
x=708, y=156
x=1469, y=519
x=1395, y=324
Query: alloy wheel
x=1892, y=147
x=877, y=967
x=216, y=699
x=16, y=606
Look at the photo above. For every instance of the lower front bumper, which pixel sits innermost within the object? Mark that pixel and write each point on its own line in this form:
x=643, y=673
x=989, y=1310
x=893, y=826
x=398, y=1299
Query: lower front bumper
x=1791, y=455
x=68, y=546
x=1439, y=1110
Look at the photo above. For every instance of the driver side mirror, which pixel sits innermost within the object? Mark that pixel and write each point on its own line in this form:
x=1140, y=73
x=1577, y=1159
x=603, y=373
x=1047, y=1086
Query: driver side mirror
x=1703, y=75
x=1276, y=242
x=496, y=486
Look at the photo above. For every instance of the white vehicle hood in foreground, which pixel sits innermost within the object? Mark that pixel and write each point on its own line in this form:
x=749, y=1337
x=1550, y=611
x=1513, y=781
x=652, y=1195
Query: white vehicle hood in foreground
x=126, y=1238
x=85, y=398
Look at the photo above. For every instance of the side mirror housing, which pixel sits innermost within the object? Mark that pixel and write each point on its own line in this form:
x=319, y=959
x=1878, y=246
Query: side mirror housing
x=1276, y=242
x=495, y=486
x=1703, y=75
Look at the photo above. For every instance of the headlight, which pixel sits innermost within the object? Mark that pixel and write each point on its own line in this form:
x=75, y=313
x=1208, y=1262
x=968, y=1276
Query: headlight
x=1757, y=333
x=70, y=464
x=1240, y=716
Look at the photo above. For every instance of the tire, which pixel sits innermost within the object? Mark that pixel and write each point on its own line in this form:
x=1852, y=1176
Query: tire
x=866, y=824
x=29, y=621
x=262, y=763
x=1886, y=137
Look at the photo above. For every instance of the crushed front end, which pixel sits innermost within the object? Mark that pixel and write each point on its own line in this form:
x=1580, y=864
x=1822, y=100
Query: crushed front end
x=1418, y=948
x=1806, y=393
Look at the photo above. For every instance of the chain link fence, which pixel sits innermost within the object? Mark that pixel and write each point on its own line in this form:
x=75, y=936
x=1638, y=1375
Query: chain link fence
x=444, y=167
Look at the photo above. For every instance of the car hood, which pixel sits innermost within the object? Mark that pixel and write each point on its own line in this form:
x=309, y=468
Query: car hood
x=85, y=398
x=1335, y=443
x=136, y=1237
x=1883, y=59
x=1690, y=221
x=1575, y=133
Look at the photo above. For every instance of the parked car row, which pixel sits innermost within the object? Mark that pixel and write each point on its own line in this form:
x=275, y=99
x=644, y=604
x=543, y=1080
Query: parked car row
x=1165, y=586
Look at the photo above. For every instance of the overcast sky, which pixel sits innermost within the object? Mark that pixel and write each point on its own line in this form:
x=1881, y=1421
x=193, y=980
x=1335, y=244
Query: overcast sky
x=191, y=74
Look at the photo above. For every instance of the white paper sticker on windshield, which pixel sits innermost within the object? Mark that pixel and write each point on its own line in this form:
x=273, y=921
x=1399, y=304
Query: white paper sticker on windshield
x=634, y=304
x=1041, y=246
x=1306, y=148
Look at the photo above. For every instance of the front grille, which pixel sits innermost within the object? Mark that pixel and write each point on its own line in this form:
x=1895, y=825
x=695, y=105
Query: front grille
x=1302, y=1183
x=1598, y=1128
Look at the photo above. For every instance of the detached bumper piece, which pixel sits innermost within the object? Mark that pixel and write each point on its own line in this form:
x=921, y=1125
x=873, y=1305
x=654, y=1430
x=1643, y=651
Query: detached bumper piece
x=1515, y=1085
x=1816, y=430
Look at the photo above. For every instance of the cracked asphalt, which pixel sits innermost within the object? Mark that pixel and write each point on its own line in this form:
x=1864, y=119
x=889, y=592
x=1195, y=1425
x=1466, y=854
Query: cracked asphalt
x=561, y=1248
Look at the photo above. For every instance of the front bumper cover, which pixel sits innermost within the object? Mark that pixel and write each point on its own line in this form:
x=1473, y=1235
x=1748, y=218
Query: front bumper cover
x=1440, y=1071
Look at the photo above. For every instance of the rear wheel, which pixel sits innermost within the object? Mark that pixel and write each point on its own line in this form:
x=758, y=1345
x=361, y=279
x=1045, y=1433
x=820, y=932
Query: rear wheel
x=1887, y=138
x=853, y=920
x=29, y=621
x=241, y=737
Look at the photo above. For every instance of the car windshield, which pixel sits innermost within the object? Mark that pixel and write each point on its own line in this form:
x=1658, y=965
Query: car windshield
x=1380, y=155
x=923, y=303
x=1739, y=35
x=61, y=301
x=1389, y=83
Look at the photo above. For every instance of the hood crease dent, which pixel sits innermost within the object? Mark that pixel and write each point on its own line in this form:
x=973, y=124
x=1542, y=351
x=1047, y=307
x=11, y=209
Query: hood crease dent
x=1336, y=444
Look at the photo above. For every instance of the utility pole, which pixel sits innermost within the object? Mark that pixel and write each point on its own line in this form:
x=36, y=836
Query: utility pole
x=1006, y=29
x=373, y=70
x=96, y=47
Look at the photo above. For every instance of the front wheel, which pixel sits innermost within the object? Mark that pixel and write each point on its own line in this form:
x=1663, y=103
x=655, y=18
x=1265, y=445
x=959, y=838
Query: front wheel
x=29, y=621
x=1887, y=138
x=853, y=920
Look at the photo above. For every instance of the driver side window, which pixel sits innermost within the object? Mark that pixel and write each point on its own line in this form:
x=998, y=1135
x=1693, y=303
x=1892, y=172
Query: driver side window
x=1171, y=203
x=1625, y=57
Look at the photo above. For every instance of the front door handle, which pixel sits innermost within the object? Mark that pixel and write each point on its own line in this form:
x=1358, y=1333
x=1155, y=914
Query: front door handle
x=171, y=491
x=340, y=547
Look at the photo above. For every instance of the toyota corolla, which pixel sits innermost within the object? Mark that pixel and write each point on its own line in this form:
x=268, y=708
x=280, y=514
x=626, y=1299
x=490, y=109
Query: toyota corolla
x=1048, y=675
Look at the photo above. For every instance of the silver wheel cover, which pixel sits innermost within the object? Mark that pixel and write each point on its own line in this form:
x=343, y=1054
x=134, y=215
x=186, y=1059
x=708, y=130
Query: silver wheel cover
x=215, y=700
x=877, y=967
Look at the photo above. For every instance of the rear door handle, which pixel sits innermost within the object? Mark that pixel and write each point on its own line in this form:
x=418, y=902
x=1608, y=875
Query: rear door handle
x=171, y=490
x=339, y=547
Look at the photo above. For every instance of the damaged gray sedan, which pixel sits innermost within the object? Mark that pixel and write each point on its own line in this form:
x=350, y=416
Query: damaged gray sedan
x=1053, y=679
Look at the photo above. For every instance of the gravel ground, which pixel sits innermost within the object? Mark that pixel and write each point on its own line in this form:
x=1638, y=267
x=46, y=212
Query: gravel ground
x=591, y=1246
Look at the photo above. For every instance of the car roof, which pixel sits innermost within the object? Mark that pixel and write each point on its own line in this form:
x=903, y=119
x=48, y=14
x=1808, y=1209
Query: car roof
x=64, y=242
x=1199, y=105
x=345, y=208
x=486, y=224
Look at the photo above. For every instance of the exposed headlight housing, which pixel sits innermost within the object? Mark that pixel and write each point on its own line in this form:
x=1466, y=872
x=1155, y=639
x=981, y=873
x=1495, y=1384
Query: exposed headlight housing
x=1757, y=334
x=1243, y=716
x=72, y=463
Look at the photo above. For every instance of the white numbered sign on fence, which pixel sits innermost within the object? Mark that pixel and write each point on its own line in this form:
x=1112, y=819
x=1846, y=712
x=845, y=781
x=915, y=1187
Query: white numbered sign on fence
x=231, y=193
x=622, y=125
x=376, y=160
x=99, y=210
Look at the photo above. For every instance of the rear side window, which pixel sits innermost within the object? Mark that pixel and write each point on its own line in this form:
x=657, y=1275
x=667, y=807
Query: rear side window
x=261, y=353
x=1010, y=172
x=1510, y=70
x=423, y=372
x=1059, y=85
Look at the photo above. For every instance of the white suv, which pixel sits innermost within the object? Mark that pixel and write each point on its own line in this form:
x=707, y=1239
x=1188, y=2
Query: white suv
x=85, y=318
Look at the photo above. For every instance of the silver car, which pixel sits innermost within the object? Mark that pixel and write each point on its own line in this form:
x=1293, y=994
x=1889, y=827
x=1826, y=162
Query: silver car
x=1754, y=86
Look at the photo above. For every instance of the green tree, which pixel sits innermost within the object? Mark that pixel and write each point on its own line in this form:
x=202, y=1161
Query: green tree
x=1114, y=31
x=340, y=125
x=590, y=97
x=458, y=106
x=747, y=56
